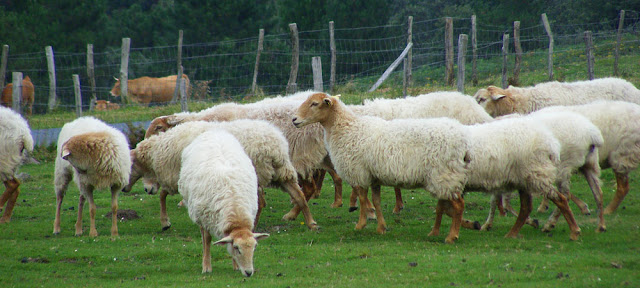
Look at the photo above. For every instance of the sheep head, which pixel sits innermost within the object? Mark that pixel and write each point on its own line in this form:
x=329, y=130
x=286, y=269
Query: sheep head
x=241, y=244
x=496, y=101
x=158, y=125
x=81, y=150
x=140, y=168
x=315, y=109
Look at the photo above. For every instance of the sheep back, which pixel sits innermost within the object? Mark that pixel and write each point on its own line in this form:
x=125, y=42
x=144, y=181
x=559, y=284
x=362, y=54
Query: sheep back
x=15, y=141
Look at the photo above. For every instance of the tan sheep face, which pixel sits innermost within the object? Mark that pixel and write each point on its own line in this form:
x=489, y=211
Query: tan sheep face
x=79, y=150
x=314, y=109
x=496, y=101
x=241, y=245
x=157, y=126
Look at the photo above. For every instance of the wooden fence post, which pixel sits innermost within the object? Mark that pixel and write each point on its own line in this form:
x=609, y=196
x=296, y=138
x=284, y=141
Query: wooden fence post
x=405, y=76
x=179, y=70
x=16, y=93
x=474, y=47
x=462, y=53
x=618, y=40
x=295, y=52
x=588, y=39
x=51, y=65
x=448, y=48
x=391, y=68
x=91, y=76
x=124, y=70
x=547, y=28
x=3, y=64
x=505, y=52
x=332, y=46
x=78, y=94
x=254, y=84
x=410, y=54
x=182, y=85
x=316, y=66
x=518, y=48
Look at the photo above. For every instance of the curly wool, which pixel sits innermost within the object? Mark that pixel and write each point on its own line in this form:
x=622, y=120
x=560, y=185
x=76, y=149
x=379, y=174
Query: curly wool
x=15, y=141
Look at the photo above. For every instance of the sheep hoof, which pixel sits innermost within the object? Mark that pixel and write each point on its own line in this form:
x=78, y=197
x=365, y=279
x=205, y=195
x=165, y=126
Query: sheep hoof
x=601, y=229
x=336, y=205
x=535, y=223
x=351, y=209
x=543, y=209
x=486, y=227
x=165, y=228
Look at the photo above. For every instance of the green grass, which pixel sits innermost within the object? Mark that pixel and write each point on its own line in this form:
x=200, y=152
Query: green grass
x=334, y=256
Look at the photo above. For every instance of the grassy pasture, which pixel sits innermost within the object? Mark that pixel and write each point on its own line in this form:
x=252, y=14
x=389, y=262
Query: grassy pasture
x=334, y=256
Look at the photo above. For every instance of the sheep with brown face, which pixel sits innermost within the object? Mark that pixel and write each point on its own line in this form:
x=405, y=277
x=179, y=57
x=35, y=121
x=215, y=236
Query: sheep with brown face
x=96, y=156
x=15, y=143
x=218, y=184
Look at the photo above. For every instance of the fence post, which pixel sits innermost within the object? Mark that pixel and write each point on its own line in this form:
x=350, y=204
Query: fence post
x=618, y=39
x=179, y=70
x=51, y=65
x=254, y=84
x=316, y=66
x=405, y=76
x=410, y=54
x=182, y=85
x=3, y=64
x=76, y=89
x=588, y=39
x=474, y=47
x=124, y=70
x=547, y=28
x=505, y=52
x=92, y=77
x=16, y=93
x=448, y=48
x=332, y=45
x=462, y=53
x=291, y=85
x=391, y=68
x=516, y=43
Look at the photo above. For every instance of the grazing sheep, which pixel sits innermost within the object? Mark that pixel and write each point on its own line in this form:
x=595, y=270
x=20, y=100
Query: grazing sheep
x=306, y=148
x=96, y=156
x=370, y=152
x=524, y=100
x=579, y=140
x=619, y=123
x=218, y=184
x=15, y=143
x=159, y=157
x=517, y=153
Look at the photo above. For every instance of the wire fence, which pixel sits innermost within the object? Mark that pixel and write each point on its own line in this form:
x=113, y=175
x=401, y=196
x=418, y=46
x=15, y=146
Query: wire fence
x=362, y=55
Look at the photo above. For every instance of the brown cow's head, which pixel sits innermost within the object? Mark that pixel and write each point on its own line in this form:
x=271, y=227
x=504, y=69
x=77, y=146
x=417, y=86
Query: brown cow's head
x=115, y=91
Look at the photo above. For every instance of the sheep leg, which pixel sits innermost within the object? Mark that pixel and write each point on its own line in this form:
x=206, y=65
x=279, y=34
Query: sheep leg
x=584, y=208
x=164, y=218
x=506, y=203
x=457, y=206
x=114, y=210
x=435, y=231
x=594, y=184
x=337, y=183
x=562, y=204
x=499, y=203
x=308, y=187
x=525, y=209
x=465, y=223
x=399, y=203
x=375, y=196
x=61, y=187
x=10, y=196
x=544, y=205
x=81, y=200
x=261, y=204
x=622, y=181
x=318, y=179
x=93, y=232
x=206, y=250
x=362, y=194
x=494, y=202
x=300, y=204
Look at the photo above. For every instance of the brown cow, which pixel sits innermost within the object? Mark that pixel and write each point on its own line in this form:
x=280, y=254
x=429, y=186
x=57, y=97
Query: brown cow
x=27, y=95
x=103, y=105
x=146, y=90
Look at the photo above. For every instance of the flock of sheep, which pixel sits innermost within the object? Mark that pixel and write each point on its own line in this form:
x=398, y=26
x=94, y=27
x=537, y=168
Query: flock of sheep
x=530, y=140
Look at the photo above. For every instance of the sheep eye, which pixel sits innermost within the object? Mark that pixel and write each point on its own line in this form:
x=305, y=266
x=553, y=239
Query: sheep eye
x=481, y=100
x=237, y=248
x=314, y=104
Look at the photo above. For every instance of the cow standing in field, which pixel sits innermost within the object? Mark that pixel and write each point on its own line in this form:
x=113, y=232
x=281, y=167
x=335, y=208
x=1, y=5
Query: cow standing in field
x=146, y=90
x=27, y=95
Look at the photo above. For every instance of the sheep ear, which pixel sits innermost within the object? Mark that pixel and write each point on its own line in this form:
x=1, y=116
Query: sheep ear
x=65, y=154
x=497, y=97
x=260, y=236
x=224, y=241
x=328, y=101
x=114, y=77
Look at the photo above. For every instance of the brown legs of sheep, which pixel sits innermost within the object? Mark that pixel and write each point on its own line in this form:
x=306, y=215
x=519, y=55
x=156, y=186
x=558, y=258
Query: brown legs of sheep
x=375, y=196
x=503, y=200
x=525, y=209
x=164, y=218
x=364, y=210
x=261, y=204
x=9, y=196
x=300, y=204
x=562, y=204
x=399, y=203
x=206, y=250
x=337, y=183
x=453, y=208
x=584, y=208
x=114, y=211
x=622, y=181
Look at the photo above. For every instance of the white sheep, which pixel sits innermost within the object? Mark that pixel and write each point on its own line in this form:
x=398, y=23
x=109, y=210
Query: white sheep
x=370, y=151
x=517, y=153
x=96, y=156
x=218, y=184
x=619, y=123
x=579, y=139
x=15, y=143
x=524, y=100
x=159, y=157
x=306, y=148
